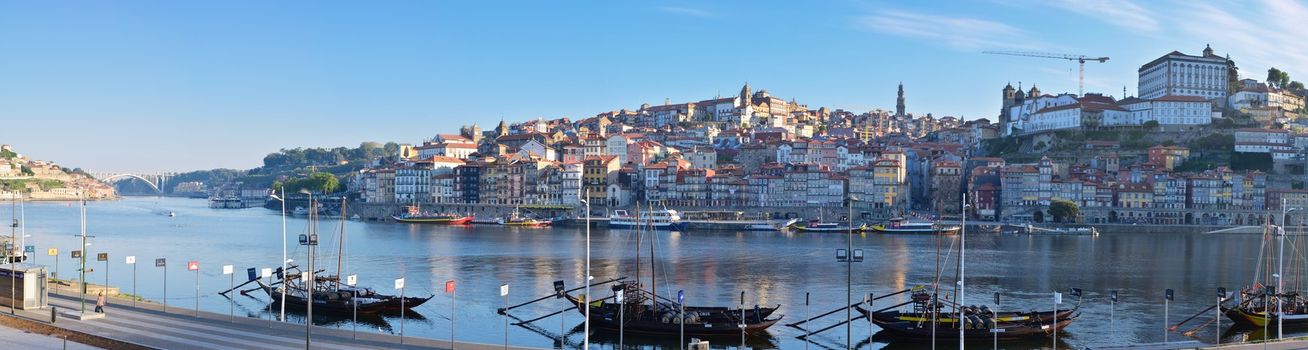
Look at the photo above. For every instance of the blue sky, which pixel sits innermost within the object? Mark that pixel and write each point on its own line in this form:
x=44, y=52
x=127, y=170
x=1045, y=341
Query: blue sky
x=191, y=85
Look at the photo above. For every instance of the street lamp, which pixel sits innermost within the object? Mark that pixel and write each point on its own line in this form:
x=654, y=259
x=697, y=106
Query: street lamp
x=962, y=244
x=849, y=256
x=1280, y=268
x=586, y=327
x=283, y=200
x=311, y=241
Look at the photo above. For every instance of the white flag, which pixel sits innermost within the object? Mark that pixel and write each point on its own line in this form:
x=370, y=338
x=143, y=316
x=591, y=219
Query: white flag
x=1058, y=298
x=131, y=259
x=227, y=269
x=504, y=290
x=351, y=280
x=266, y=272
x=399, y=283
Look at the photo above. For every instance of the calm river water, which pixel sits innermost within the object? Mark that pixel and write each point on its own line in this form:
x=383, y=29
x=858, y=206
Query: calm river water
x=712, y=267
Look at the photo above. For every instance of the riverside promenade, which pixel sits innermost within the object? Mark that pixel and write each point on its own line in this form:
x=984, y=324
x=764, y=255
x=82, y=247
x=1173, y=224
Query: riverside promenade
x=147, y=326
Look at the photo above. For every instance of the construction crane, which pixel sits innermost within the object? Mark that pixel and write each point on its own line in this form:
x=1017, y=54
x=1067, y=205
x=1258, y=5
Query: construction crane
x=1079, y=58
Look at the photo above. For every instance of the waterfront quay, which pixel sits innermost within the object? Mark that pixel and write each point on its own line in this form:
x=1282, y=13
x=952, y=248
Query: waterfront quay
x=150, y=326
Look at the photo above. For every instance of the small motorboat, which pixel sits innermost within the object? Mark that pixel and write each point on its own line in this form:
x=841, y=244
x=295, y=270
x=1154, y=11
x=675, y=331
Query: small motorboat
x=516, y=219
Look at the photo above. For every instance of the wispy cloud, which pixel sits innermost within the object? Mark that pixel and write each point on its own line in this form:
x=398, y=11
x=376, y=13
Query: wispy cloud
x=1257, y=37
x=962, y=33
x=1122, y=13
x=686, y=11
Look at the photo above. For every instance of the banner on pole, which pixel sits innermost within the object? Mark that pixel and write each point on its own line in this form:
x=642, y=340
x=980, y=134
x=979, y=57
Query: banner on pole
x=1058, y=298
x=618, y=296
x=252, y=273
x=1112, y=296
x=160, y=262
x=131, y=259
x=29, y=249
x=102, y=257
x=193, y=266
x=504, y=290
x=399, y=283
x=681, y=297
x=228, y=269
x=351, y=280
x=52, y=252
x=267, y=272
x=449, y=286
x=76, y=254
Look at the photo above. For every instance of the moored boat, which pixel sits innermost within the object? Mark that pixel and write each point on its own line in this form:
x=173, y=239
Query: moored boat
x=665, y=219
x=819, y=226
x=516, y=219
x=638, y=314
x=414, y=215
x=905, y=226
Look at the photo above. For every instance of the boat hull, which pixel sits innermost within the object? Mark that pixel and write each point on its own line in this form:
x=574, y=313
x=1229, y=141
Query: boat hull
x=1255, y=319
x=438, y=221
x=914, y=231
x=1015, y=325
x=667, y=226
x=606, y=317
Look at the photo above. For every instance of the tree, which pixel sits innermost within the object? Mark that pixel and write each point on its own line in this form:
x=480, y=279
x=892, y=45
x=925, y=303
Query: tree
x=1295, y=86
x=1274, y=76
x=1063, y=210
x=1152, y=124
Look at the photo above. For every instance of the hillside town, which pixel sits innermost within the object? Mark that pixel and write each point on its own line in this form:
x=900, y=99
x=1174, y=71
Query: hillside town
x=1198, y=144
x=30, y=179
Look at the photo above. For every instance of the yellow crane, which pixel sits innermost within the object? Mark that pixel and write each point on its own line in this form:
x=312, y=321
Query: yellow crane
x=1071, y=57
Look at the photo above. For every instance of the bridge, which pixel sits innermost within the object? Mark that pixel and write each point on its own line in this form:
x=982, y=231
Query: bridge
x=157, y=179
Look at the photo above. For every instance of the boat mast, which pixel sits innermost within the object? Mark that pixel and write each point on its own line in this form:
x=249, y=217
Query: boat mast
x=653, y=273
x=638, y=240
x=340, y=247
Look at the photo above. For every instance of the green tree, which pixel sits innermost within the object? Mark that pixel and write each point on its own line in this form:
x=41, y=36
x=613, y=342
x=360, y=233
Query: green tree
x=1063, y=210
x=1295, y=86
x=7, y=154
x=1152, y=124
x=1273, y=76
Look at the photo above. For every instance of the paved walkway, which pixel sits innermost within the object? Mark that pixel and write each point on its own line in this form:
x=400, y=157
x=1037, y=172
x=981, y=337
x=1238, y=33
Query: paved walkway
x=147, y=325
x=17, y=339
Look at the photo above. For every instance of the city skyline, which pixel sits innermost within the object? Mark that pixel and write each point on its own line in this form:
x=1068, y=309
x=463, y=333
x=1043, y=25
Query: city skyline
x=157, y=86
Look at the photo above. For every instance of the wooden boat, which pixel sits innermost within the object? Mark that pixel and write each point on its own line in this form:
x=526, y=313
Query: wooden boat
x=642, y=311
x=663, y=317
x=977, y=322
x=904, y=226
x=329, y=293
x=1257, y=305
x=414, y=215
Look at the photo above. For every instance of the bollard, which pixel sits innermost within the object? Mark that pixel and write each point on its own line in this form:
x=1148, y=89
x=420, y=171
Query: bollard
x=54, y=313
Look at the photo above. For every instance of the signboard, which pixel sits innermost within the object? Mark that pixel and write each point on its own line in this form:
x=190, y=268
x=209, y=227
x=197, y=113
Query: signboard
x=29, y=249
x=449, y=286
x=1221, y=293
x=266, y=272
x=399, y=283
x=160, y=262
x=618, y=295
x=131, y=259
x=102, y=257
x=681, y=297
x=1167, y=294
x=228, y=269
x=351, y=280
x=193, y=265
x=1058, y=298
x=52, y=252
x=76, y=254
x=504, y=290
x=1112, y=296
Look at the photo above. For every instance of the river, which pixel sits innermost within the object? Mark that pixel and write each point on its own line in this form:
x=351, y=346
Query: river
x=712, y=267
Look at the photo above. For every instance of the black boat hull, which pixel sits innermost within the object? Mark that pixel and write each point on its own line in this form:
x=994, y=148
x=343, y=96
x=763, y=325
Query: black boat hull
x=605, y=316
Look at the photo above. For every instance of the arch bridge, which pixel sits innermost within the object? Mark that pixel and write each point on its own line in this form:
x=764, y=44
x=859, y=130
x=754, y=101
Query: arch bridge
x=156, y=180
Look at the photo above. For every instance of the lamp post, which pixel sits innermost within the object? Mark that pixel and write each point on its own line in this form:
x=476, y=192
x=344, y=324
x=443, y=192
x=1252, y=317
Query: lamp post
x=586, y=323
x=849, y=256
x=283, y=200
x=1280, y=269
x=311, y=241
x=13, y=279
x=962, y=244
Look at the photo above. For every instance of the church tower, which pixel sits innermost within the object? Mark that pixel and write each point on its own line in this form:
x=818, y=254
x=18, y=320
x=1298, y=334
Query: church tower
x=746, y=97
x=502, y=130
x=899, y=102
x=1010, y=100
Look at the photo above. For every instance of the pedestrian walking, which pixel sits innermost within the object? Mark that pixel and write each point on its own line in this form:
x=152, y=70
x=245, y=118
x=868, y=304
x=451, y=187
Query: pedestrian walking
x=99, y=303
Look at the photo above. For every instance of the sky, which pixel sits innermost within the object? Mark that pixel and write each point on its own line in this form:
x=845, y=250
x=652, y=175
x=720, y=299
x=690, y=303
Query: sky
x=185, y=85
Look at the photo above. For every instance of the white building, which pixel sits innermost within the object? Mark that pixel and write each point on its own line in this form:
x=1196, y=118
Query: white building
x=1179, y=74
x=412, y=184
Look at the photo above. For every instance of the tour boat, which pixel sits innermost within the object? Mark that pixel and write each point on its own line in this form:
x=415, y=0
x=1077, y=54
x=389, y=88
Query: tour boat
x=300, y=211
x=977, y=322
x=665, y=219
x=904, y=226
x=819, y=226
x=641, y=313
x=415, y=215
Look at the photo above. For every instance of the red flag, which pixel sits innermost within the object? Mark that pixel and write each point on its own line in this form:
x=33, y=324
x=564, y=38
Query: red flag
x=193, y=266
x=449, y=286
